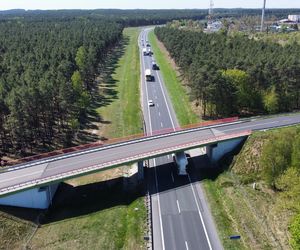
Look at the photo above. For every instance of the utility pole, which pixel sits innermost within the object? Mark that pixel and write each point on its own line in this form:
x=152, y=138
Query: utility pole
x=263, y=17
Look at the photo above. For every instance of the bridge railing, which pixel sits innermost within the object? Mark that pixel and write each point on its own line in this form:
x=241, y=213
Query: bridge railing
x=85, y=170
x=118, y=140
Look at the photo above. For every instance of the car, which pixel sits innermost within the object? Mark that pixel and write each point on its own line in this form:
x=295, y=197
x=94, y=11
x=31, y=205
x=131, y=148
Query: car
x=148, y=45
x=155, y=66
x=150, y=103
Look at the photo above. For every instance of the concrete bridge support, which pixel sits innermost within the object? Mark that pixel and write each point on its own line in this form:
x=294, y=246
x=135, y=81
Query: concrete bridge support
x=216, y=151
x=134, y=176
x=38, y=198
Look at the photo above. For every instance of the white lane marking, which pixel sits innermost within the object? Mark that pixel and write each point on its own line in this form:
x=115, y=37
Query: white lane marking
x=201, y=218
x=157, y=105
x=22, y=176
x=178, y=206
x=250, y=126
x=161, y=124
x=156, y=182
x=158, y=113
x=159, y=212
x=172, y=176
x=160, y=84
x=168, y=156
x=147, y=97
x=186, y=245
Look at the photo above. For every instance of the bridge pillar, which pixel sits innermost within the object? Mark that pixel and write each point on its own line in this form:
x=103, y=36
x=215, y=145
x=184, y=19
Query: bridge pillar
x=133, y=176
x=38, y=198
x=216, y=151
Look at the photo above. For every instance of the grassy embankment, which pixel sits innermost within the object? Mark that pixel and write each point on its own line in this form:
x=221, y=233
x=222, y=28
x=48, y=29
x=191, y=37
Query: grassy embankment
x=104, y=219
x=176, y=90
x=91, y=218
x=123, y=114
x=262, y=215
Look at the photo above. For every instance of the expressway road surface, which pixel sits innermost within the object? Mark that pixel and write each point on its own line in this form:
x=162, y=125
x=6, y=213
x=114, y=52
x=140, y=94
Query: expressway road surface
x=181, y=219
x=160, y=117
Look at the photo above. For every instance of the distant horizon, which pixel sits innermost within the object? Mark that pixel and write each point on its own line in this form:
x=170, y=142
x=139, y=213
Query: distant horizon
x=148, y=9
x=133, y=4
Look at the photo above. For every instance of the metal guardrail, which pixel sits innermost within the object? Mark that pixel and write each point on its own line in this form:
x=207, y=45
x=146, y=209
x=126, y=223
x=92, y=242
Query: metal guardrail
x=134, y=158
x=46, y=158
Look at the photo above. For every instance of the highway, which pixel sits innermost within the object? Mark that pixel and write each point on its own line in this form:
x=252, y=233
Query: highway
x=159, y=117
x=178, y=222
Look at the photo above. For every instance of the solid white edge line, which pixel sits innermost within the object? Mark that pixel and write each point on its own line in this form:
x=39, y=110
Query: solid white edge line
x=156, y=180
x=178, y=206
x=160, y=84
x=146, y=88
x=186, y=245
x=159, y=211
x=201, y=218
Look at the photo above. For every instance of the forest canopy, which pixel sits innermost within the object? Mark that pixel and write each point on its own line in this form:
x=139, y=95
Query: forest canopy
x=234, y=74
x=47, y=71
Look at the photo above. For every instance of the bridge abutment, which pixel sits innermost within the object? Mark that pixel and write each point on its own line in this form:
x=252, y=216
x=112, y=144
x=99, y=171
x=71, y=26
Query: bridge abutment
x=38, y=198
x=216, y=151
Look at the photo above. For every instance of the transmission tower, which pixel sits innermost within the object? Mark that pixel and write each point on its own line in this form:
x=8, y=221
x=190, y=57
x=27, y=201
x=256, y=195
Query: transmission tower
x=211, y=9
x=263, y=16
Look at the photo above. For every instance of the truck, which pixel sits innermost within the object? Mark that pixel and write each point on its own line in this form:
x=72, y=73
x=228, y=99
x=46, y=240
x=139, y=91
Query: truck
x=145, y=52
x=148, y=75
x=181, y=162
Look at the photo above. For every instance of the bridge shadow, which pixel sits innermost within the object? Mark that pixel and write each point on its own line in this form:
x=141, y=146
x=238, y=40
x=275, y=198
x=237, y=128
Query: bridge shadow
x=71, y=202
x=76, y=201
x=199, y=169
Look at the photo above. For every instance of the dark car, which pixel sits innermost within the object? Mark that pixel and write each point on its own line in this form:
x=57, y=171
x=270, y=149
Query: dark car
x=155, y=66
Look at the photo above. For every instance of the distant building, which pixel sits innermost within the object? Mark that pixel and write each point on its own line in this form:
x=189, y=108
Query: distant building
x=287, y=21
x=214, y=26
x=294, y=18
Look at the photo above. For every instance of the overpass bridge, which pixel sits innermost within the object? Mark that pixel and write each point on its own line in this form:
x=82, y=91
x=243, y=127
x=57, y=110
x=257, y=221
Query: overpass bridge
x=48, y=171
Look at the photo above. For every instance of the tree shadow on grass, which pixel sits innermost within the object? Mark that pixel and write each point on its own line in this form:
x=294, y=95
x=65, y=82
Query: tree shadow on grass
x=103, y=94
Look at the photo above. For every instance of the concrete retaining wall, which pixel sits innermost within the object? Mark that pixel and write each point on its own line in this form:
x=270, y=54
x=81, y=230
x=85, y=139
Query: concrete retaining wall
x=216, y=151
x=39, y=198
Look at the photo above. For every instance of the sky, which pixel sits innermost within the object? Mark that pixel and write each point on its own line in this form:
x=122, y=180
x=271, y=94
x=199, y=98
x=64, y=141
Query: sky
x=142, y=4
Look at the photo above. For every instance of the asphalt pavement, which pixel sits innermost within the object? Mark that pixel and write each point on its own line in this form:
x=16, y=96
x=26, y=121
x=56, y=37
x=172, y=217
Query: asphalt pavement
x=177, y=209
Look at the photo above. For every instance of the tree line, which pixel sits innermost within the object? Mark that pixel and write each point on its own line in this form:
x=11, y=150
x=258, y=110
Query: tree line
x=47, y=70
x=232, y=74
x=141, y=17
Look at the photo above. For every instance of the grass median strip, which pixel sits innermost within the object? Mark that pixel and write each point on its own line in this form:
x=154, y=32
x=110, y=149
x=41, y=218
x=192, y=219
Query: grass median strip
x=176, y=91
x=122, y=113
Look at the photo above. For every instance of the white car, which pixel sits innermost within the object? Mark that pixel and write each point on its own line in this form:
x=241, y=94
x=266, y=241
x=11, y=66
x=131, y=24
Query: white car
x=150, y=103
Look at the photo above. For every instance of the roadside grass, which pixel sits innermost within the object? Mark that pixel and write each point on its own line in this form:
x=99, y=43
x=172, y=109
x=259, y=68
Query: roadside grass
x=97, y=218
x=176, y=91
x=234, y=214
x=93, y=219
x=16, y=226
x=261, y=216
x=123, y=114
